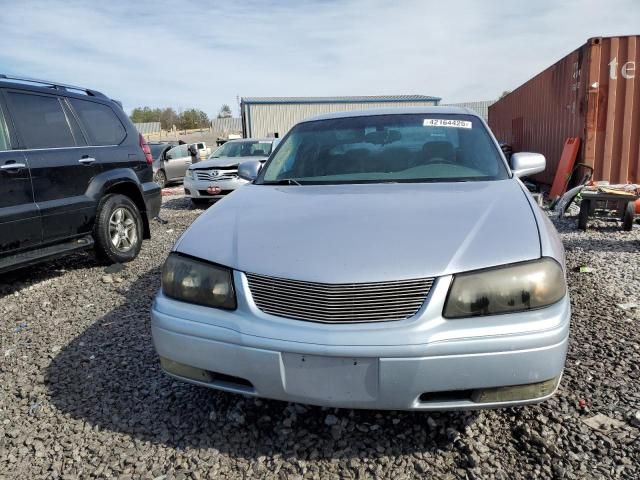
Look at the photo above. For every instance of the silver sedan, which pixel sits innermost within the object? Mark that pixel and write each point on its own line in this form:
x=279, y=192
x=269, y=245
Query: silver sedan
x=217, y=176
x=385, y=259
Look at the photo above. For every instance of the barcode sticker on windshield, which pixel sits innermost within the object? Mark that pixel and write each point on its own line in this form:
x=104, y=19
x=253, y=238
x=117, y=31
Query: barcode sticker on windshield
x=442, y=122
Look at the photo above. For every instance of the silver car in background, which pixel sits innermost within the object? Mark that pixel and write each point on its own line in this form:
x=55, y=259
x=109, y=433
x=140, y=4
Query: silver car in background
x=170, y=163
x=218, y=175
x=384, y=259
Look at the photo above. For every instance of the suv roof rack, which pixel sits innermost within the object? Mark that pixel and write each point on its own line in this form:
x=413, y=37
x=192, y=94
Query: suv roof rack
x=55, y=85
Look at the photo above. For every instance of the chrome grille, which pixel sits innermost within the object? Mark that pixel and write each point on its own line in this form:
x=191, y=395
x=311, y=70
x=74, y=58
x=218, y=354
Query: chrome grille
x=339, y=303
x=216, y=174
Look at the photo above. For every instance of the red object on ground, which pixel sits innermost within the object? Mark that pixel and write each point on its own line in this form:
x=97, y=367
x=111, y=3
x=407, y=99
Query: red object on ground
x=638, y=206
x=565, y=167
x=582, y=403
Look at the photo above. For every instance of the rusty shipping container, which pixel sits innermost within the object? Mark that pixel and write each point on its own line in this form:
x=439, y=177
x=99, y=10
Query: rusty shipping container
x=592, y=93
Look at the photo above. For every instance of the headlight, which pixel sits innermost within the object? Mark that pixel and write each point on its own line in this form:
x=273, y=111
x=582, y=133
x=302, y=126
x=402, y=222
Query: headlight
x=193, y=281
x=513, y=288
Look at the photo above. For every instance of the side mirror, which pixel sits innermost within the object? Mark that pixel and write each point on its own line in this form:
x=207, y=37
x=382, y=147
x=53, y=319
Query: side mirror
x=524, y=164
x=167, y=156
x=249, y=170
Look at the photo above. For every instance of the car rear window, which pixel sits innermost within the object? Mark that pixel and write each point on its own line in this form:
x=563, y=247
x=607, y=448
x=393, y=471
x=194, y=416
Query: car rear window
x=41, y=121
x=102, y=124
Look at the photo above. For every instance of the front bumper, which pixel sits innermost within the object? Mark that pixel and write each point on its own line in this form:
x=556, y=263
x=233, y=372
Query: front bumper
x=423, y=363
x=198, y=188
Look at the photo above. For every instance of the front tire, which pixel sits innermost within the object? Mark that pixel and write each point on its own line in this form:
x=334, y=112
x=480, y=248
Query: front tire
x=161, y=178
x=118, y=229
x=629, y=215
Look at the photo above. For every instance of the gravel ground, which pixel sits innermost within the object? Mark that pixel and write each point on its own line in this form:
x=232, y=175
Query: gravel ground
x=82, y=396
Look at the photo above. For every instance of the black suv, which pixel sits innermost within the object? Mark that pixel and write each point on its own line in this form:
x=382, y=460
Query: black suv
x=74, y=173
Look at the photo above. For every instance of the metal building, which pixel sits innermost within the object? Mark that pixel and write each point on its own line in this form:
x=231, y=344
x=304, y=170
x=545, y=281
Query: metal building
x=480, y=107
x=268, y=116
x=222, y=127
x=148, y=128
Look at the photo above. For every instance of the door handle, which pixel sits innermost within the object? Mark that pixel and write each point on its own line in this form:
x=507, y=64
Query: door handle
x=12, y=166
x=87, y=160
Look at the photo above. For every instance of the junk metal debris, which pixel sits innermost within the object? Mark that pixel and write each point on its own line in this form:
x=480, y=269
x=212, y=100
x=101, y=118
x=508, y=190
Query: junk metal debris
x=603, y=423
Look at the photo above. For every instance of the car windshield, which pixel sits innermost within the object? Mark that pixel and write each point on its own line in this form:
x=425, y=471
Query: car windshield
x=386, y=148
x=253, y=148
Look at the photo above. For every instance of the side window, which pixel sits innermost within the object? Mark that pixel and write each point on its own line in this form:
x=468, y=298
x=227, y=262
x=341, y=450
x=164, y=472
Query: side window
x=100, y=121
x=172, y=153
x=184, y=151
x=40, y=120
x=4, y=134
x=73, y=123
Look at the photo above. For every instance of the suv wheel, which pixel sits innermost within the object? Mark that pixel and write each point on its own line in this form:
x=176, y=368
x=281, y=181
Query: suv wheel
x=161, y=178
x=118, y=229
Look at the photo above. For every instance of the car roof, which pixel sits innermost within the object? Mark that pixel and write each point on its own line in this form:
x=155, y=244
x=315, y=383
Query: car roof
x=45, y=86
x=395, y=111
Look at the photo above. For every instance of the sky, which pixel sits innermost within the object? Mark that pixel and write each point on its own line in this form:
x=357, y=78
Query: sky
x=201, y=54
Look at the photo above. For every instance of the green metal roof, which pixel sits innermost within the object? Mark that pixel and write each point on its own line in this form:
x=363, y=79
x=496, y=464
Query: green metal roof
x=355, y=99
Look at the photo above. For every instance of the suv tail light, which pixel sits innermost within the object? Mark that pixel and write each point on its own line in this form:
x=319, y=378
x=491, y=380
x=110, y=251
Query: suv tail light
x=145, y=148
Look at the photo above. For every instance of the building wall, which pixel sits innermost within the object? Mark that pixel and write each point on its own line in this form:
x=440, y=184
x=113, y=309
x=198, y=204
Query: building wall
x=263, y=120
x=222, y=127
x=480, y=107
x=148, y=128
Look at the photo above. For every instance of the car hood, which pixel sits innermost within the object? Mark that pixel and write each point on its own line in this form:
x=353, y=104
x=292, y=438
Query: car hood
x=366, y=233
x=224, y=162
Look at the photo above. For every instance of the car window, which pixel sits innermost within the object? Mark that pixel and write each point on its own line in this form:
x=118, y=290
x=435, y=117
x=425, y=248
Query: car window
x=173, y=152
x=73, y=123
x=200, y=146
x=100, y=121
x=40, y=120
x=157, y=149
x=179, y=151
x=4, y=134
x=387, y=148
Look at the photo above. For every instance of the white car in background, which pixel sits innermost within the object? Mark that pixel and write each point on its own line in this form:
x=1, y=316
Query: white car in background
x=202, y=149
x=218, y=175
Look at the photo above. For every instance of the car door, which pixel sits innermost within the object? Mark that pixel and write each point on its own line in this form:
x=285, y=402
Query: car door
x=61, y=169
x=177, y=161
x=19, y=215
x=171, y=160
x=104, y=133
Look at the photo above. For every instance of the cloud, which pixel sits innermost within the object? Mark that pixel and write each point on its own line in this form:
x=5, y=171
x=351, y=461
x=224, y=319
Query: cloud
x=195, y=54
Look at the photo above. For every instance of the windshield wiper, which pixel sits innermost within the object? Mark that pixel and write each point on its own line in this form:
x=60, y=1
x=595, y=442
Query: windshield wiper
x=284, y=181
